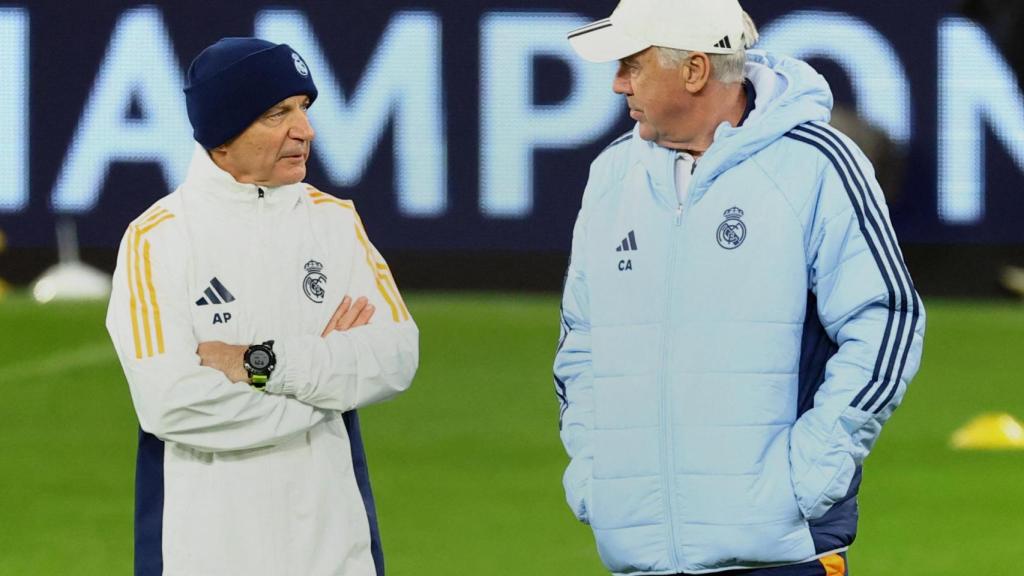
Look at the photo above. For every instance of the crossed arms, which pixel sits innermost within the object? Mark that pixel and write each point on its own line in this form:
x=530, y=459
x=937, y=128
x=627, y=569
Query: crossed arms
x=188, y=392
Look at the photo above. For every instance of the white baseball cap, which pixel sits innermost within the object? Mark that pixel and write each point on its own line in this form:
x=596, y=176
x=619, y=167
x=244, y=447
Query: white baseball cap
x=710, y=26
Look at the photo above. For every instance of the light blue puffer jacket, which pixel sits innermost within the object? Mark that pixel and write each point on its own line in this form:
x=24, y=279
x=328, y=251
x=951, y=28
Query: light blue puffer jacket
x=725, y=367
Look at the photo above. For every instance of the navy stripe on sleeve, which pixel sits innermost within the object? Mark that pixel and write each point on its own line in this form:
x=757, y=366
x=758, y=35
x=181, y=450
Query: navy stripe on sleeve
x=889, y=249
x=873, y=247
x=882, y=244
x=560, y=391
x=564, y=328
x=563, y=400
x=914, y=303
x=904, y=274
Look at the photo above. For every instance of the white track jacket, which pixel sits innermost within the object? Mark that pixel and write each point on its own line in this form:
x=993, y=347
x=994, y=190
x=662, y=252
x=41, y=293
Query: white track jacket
x=231, y=480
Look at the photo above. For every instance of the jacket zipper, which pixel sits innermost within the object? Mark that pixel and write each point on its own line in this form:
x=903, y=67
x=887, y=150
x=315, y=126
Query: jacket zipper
x=666, y=425
x=259, y=211
x=679, y=210
x=668, y=476
x=259, y=241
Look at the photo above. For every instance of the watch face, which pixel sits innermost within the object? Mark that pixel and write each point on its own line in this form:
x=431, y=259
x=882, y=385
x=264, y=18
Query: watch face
x=259, y=359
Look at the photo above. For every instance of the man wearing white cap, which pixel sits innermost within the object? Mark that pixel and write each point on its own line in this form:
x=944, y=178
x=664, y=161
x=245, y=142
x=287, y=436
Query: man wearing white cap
x=737, y=319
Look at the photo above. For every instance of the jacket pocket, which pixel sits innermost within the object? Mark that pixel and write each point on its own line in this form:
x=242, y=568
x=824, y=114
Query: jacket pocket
x=823, y=486
x=733, y=514
x=577, y=480
x=823, y=463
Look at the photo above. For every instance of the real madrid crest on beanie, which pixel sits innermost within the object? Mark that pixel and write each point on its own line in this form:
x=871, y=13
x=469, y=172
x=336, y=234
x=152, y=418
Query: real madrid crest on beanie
x=231, y=83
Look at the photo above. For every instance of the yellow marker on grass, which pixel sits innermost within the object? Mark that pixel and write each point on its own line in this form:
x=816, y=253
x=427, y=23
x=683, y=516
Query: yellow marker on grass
x=990, y=432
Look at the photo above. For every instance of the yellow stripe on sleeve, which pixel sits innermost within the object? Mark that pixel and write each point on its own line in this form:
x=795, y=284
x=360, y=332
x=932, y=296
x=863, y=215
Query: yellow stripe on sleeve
x=381, y=273
x=142, y=295
x=153, y=211
x=328, y=199
x=377, y=278
x=385, y=273
x=384, y=282
x=133, y=303
x=152, y=298
x=160, y=220
x=382, y=269
x=401, y=301
x=142, y=290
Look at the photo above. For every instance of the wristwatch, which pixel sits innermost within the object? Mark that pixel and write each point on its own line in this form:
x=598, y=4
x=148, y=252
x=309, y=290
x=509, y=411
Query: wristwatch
x=259, y=362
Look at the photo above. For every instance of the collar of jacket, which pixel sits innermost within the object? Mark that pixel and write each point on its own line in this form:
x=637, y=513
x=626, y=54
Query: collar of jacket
x=216, y=185
x=659, y=164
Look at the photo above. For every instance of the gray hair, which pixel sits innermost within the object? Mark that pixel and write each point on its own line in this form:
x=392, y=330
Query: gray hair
x=727, y=68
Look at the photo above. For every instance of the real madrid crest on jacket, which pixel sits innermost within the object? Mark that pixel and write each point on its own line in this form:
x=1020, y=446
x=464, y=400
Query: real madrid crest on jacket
x=314, y=284
x=244, y=481
x=733, y=231
x=721, y=385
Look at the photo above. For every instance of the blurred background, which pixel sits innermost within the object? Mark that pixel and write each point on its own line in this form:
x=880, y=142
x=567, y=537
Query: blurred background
x=464, y=133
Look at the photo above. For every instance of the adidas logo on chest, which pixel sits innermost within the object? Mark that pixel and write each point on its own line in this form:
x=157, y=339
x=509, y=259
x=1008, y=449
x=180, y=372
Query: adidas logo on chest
x=628, y=244
x=216, y=294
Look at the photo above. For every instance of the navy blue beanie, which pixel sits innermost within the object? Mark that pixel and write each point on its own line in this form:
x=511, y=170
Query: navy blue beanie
x=234, y=81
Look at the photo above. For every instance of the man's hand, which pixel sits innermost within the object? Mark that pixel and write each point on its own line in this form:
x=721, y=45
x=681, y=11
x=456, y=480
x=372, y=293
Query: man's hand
x=228, y=358
x=350, y=315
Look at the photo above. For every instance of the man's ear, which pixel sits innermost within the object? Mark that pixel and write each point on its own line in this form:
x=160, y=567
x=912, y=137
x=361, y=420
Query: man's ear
x=697, y=72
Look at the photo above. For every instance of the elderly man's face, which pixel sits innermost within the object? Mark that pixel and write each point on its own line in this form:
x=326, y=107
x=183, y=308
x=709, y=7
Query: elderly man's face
x=656, y=97
x=273, y=150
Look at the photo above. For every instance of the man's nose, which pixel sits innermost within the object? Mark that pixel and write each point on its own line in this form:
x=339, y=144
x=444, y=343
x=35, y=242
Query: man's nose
x=302, y=129
x=621, y=84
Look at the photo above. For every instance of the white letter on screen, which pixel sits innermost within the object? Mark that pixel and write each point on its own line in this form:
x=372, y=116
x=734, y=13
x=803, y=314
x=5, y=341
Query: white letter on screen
x=876, y=73
x=402, y=81
x=140, y=64
x=511, y=125
x=14, y=83
x=977, y=89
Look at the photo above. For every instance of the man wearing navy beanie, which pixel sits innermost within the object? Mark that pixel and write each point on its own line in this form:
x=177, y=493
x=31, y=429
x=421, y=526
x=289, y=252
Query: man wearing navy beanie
x=252, y=316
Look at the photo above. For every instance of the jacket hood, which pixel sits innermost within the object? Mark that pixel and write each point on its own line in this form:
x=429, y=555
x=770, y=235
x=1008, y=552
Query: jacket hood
x=789, y=93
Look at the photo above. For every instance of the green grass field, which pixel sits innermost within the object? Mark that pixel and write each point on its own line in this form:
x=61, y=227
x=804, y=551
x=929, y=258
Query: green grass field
x=467, y=465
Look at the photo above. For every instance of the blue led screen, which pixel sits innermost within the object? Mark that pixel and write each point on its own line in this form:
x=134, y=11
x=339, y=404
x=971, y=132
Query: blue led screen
x=471, y=126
